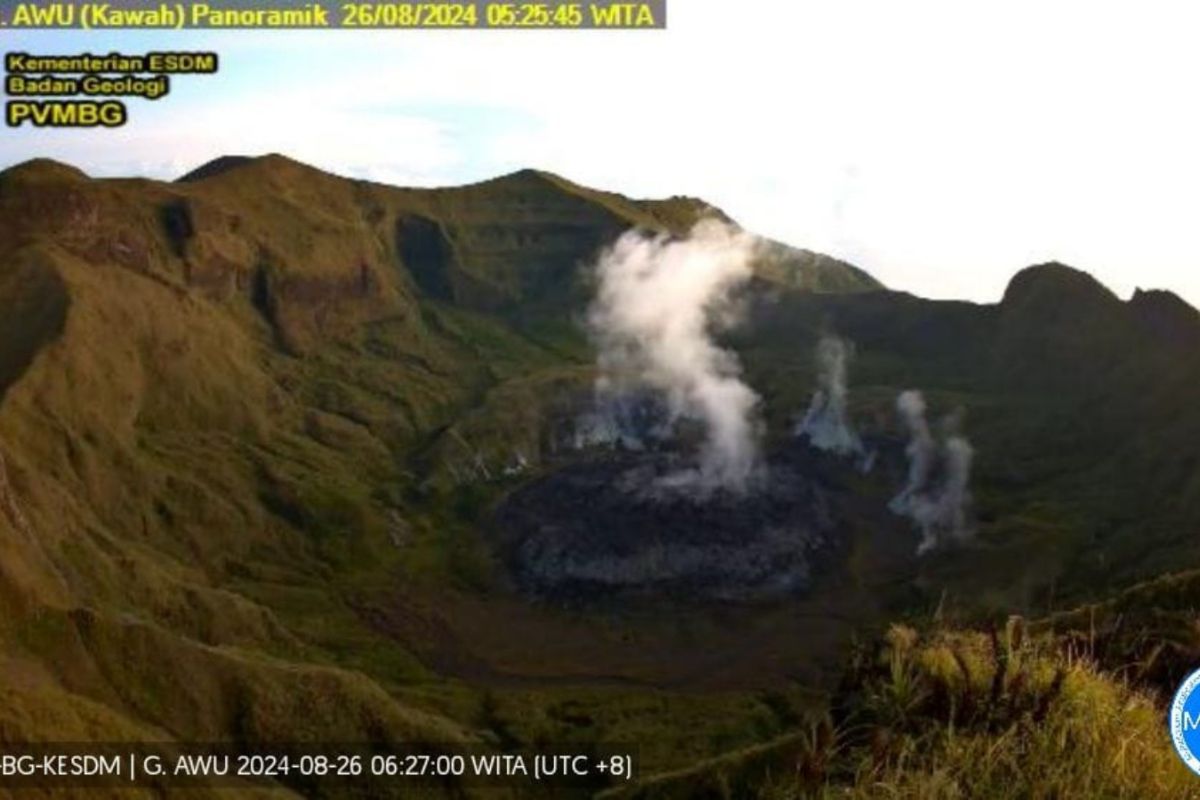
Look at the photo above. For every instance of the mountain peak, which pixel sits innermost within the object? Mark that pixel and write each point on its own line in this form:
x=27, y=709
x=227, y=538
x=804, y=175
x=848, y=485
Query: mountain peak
x=270, y=162
x=1164, y=299
x=1166, y=315
x=218, y=166
x=44, y=169
x=530, y=173
x=526, y=177
x=1054, y=282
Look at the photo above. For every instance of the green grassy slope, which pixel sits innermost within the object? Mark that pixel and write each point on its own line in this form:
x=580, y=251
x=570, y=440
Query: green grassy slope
x=951, y=713
x=252, y=423
x=235, y=406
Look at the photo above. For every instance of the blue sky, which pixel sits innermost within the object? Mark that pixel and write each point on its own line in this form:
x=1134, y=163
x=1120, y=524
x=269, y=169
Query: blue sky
x=940, y=145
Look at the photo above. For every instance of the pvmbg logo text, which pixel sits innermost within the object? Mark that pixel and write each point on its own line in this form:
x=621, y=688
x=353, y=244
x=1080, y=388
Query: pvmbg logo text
x=1185, y=721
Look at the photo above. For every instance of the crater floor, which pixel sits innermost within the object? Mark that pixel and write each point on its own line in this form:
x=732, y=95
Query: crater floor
x=614, y=525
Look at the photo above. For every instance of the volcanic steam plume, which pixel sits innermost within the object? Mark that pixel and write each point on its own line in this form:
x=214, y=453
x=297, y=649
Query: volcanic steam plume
x=936, y=495
x=825, y=424
x=659, y=301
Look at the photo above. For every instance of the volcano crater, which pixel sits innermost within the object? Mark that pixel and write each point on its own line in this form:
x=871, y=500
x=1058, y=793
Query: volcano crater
x=627, y=524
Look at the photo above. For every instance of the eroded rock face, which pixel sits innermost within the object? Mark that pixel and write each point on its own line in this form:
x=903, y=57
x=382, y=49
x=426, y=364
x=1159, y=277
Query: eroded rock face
x=428, y=254
x=8, y=503
x=614, y=526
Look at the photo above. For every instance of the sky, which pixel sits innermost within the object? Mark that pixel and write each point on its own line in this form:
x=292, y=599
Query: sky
x=942, y=146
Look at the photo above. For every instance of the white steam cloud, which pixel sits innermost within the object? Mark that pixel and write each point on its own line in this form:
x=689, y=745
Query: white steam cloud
x=826, y=424
x=921, y=446
x=937, y=494
x=659, y=300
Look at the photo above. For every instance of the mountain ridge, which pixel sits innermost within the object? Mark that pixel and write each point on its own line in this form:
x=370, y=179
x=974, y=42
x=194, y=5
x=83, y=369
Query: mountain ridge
x=253, y=425
x=676, y=210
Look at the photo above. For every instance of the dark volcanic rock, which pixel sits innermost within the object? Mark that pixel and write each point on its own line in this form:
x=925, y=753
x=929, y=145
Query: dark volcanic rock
x=1167, y=317
x=616, y=527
